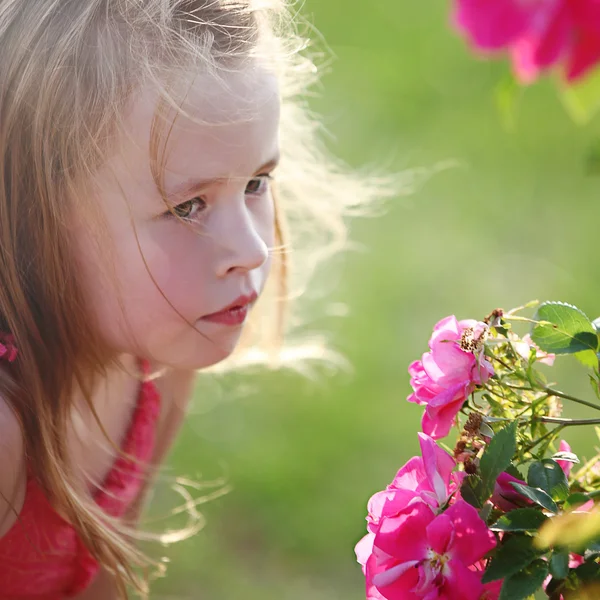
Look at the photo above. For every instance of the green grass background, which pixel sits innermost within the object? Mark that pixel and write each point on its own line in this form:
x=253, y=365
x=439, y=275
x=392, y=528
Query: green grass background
x=515, y=218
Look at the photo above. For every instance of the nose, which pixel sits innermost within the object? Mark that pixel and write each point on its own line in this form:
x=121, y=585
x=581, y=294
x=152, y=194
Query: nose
x=243, y=247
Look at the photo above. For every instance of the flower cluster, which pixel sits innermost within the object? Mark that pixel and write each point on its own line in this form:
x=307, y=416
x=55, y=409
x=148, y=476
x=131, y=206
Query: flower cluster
x=488, y=520
x=424, y=541
x=538, y=34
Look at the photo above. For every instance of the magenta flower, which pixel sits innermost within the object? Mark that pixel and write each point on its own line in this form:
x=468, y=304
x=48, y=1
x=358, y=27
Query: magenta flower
x=538, y=34
x=428, y=479
x=565, y=465
x=418, y=554
x=505, y=496
x=449, y=372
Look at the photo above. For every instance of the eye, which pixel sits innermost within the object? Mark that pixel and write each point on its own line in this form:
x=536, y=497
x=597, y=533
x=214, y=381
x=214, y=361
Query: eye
x=190, y=209
x=259, y=184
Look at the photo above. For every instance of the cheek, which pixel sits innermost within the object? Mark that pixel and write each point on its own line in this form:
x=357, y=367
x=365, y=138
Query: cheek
x=172, y=273
x=263, y=211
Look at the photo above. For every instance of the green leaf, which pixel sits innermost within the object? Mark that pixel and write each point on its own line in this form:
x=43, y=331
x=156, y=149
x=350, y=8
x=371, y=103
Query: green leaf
x=512, y=470
x=588, y=571
x=524, y=584
x=587, y=358
x=574, y=500
x=563, y=329
x=506, y=95
x=536, y=495
x=547, y=475
x=520, y=519
x=592, y=158
x=559, y=563
x=496, y=458
x=592, y=549
x=582, y=99
x=512, y=556
x=471, y=491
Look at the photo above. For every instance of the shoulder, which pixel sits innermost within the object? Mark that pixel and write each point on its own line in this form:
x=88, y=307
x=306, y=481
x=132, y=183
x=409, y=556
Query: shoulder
x=12, y=467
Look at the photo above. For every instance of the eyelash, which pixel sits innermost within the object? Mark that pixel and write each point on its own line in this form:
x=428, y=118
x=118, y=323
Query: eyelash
x=263, y=179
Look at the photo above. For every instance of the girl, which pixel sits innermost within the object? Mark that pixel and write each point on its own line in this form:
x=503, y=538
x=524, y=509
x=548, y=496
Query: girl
x=142, y=238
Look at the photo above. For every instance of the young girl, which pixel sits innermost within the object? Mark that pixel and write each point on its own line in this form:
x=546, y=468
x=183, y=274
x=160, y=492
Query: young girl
x=143, y=236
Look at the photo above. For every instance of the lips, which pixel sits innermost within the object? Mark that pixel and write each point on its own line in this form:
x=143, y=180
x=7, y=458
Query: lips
x=235, y=312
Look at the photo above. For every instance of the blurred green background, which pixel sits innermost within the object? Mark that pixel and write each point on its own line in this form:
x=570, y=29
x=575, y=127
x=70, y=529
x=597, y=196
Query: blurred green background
x=509, y=216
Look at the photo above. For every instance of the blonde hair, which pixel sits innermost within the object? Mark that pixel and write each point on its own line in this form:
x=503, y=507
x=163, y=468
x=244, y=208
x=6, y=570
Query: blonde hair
x=68, y=70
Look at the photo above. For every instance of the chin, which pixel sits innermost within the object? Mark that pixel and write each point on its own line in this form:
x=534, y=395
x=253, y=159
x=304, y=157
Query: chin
x=201, y=356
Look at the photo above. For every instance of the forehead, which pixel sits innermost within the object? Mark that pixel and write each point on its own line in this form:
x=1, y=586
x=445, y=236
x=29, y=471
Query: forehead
x=221, y=126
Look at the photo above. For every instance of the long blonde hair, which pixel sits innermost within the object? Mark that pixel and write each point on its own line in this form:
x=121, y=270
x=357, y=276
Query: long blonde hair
x=68, y=70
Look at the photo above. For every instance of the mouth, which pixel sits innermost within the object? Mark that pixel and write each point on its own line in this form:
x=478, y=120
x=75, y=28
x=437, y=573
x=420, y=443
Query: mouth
x=234, y=313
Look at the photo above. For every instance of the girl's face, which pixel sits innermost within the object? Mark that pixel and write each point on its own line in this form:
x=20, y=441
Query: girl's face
x=170, y=274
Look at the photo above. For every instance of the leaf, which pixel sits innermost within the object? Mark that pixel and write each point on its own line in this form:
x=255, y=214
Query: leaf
x=563, y=329
x=559, y=563
x=588, y=571
x=520, y=519
x=512, y=470
x=524, y=584
x=486, y=430
x=575, y=500
x=496, y=458
x=573, y=530
x=566, y=456
x=471, y=491
x=592, y=158
x=547, y=475
x=592, y=549
x=505, y=96
x=512, y=556
x=582, y=99
x=587, y=358
x=536, y=495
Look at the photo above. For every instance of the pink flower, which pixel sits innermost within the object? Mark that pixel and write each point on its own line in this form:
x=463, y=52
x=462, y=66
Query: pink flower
x=449, y=372
x=418, y=554
x=538, y=34
x=505, y=496
x=425, y=479
x=565, y=465
x=524, y=345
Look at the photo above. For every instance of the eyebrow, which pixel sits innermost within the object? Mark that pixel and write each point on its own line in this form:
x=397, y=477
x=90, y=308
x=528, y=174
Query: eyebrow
x=193, y=184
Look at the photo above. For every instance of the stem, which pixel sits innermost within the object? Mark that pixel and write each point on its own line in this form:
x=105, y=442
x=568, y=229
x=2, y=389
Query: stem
x=514, y=311
x=553, y=392
x=510, y=317
x=568, y=422
x=521, y=388
x=532, y=406
x=502, y=362
x=551, y=433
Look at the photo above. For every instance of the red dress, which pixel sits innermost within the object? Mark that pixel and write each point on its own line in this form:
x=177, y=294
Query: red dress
x=41, y=556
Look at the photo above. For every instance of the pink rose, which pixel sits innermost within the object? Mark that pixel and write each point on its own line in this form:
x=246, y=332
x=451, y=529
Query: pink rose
x=446, y=375
x=505, y=496
x=418, y=554
x=538, y=34
x=565, y=465
x=428, y=479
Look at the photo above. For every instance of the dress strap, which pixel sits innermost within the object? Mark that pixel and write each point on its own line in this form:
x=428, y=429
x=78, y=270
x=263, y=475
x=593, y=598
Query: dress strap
x=8, y=349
